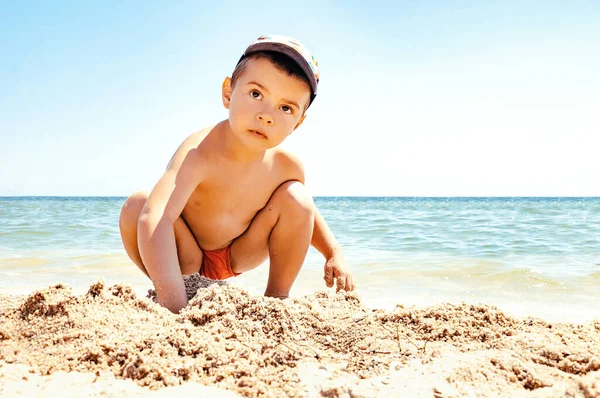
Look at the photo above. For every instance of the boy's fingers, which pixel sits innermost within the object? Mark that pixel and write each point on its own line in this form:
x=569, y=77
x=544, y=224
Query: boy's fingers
x=328, y=276
x=349, y=283
x=341, y=283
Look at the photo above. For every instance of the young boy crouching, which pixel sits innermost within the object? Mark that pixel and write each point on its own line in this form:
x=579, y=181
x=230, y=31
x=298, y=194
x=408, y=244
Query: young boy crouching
x=231, y=197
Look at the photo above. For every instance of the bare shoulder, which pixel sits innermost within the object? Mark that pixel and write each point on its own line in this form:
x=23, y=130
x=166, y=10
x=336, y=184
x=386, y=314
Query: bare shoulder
x=289, y=164
x=188, y=148
x=180, y=179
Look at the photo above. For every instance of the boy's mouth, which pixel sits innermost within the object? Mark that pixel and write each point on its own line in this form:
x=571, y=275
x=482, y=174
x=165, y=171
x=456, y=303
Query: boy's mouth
x=258, y=133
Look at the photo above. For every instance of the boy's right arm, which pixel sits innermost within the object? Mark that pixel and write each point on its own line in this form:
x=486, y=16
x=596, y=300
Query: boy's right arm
x=156, y=233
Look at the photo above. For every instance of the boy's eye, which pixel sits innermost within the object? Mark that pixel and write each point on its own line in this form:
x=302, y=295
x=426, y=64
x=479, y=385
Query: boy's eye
x=255, y=94
x=286, y=109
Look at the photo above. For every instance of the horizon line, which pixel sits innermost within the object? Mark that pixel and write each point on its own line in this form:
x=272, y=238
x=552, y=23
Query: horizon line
x=330, y=196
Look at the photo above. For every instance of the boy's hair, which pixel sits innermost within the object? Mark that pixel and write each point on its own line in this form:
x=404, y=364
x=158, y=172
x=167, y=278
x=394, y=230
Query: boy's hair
x=279, y=60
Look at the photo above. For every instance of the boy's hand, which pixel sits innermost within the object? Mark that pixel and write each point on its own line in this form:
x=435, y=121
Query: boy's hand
x=337, y=269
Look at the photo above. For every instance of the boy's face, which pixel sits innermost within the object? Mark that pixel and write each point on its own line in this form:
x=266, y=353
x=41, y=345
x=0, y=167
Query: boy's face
x=265, y=105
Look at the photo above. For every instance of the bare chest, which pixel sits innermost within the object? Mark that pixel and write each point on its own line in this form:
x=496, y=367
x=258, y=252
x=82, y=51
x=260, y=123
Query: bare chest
x=222, y=207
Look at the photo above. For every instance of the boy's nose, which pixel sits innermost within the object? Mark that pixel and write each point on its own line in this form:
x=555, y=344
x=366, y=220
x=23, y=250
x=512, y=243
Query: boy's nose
x=265, y=118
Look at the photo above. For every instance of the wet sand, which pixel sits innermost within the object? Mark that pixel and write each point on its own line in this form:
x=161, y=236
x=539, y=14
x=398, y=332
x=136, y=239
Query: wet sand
x=226, y=342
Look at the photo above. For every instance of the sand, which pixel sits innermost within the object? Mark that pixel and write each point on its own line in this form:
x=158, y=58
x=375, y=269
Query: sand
x=227, y=343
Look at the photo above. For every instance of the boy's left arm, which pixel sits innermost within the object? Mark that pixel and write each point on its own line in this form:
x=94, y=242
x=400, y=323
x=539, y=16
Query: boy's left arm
x=336, y=268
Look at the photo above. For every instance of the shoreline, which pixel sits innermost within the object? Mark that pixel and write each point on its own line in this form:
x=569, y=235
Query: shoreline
x=307, y=346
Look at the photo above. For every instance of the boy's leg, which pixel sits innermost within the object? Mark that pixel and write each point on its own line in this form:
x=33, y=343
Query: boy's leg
x=188, y=252
x=282, y=232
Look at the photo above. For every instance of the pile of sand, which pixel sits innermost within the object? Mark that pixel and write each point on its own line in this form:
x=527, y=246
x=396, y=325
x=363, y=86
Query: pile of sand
x=319, y=345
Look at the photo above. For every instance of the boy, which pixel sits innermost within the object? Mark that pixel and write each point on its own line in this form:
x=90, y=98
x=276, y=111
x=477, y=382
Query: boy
x=230, y=197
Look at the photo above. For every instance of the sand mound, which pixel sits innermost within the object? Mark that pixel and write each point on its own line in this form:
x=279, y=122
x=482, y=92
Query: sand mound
x=319, y=345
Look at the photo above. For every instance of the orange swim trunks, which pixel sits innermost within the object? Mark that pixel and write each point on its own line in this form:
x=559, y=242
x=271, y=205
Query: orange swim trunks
x=216, y=264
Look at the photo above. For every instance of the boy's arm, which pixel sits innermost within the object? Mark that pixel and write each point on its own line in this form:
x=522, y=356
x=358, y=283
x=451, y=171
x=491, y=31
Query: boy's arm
x=156, y=234
x=335, y=263
x=336, y=269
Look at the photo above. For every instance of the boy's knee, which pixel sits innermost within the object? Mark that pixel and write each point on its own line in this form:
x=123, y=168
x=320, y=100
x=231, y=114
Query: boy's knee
x=130, y=212
x=292, y=196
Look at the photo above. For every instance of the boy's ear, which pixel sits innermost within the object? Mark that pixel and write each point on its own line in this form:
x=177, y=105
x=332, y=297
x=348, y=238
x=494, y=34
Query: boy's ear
x=299, y=122
x=226, y=92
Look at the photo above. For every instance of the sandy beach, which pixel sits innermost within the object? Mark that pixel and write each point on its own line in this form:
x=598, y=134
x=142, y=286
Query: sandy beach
x=226, y=343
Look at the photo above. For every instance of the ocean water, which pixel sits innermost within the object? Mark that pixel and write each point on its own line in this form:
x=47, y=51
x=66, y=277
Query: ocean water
x=529, y=256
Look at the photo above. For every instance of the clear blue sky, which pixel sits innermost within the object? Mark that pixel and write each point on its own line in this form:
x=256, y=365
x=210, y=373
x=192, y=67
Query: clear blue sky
x=416, y=98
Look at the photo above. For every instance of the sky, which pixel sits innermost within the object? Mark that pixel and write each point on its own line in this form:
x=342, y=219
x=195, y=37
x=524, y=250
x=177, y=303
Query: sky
x=445, y=98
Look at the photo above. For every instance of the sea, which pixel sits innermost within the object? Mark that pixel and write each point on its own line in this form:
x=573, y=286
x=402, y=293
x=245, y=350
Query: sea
x=529, y=256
